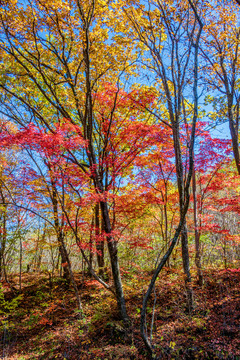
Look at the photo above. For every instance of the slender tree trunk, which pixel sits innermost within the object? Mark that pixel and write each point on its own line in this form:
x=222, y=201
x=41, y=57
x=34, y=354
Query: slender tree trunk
x=163, y=261
x=4, y=241
x=234, y=135
x=40, y=251
x=57, y=262
x=20, y=264
x=225, y=254
x=229, y=87
x=1, y=263
x=166, y=224
x=60, y=236
x=2, y=250
x=67, y=268
x=197, y=235
x=186, y=267
x=91, y=247
x=3, y=235
x=64, y=259
x=99, y=243
x=182, y=194
x=113, y=253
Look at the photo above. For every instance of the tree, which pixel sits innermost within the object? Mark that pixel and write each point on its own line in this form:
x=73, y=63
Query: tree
x=65, y=75
x=216, y=200
x=54, y=56
x=156, y=178
x=157, y=35
x=210, y=156
x=220, y=53
x=12, y=219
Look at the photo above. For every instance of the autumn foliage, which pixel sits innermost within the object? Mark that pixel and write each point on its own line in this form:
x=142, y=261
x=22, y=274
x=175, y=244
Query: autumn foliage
x=114, y=165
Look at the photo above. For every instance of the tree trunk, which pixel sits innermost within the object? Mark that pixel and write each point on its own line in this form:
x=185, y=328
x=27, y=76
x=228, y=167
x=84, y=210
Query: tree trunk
x=234, y=135
x=229, y=88
x=20, y=264
x=99, y=242
x=112, y=248
x=197, y=235
x=3, y=235
x=64, y=259
x=186, y=267
x=60, y=236
x=182, y=195
x=66, y=264
x=163, y=261
x=91, y=254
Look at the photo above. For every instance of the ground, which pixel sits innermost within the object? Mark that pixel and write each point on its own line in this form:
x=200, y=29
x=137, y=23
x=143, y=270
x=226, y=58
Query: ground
x=42, y=322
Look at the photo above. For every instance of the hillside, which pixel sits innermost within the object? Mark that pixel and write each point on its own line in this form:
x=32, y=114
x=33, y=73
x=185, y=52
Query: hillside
x=41, y=322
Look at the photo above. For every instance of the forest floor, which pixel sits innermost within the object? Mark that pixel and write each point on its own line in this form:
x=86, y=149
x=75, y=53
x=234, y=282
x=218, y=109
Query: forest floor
x=41, y=321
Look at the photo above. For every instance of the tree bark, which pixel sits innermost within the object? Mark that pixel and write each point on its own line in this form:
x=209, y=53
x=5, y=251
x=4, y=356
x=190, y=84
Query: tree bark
x=182, y=195
x=196, y=231
x=186, y=267
x=3, y=270
x=99, y=242
x=234, y=135
x=60, y=237
x=113, y=253
x=91, y=254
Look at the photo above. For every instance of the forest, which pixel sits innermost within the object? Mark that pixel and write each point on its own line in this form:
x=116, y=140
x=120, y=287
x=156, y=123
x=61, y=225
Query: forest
x=119, y=179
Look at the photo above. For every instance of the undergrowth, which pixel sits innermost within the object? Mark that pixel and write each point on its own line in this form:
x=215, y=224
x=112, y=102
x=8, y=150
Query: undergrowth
x=41, y=321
